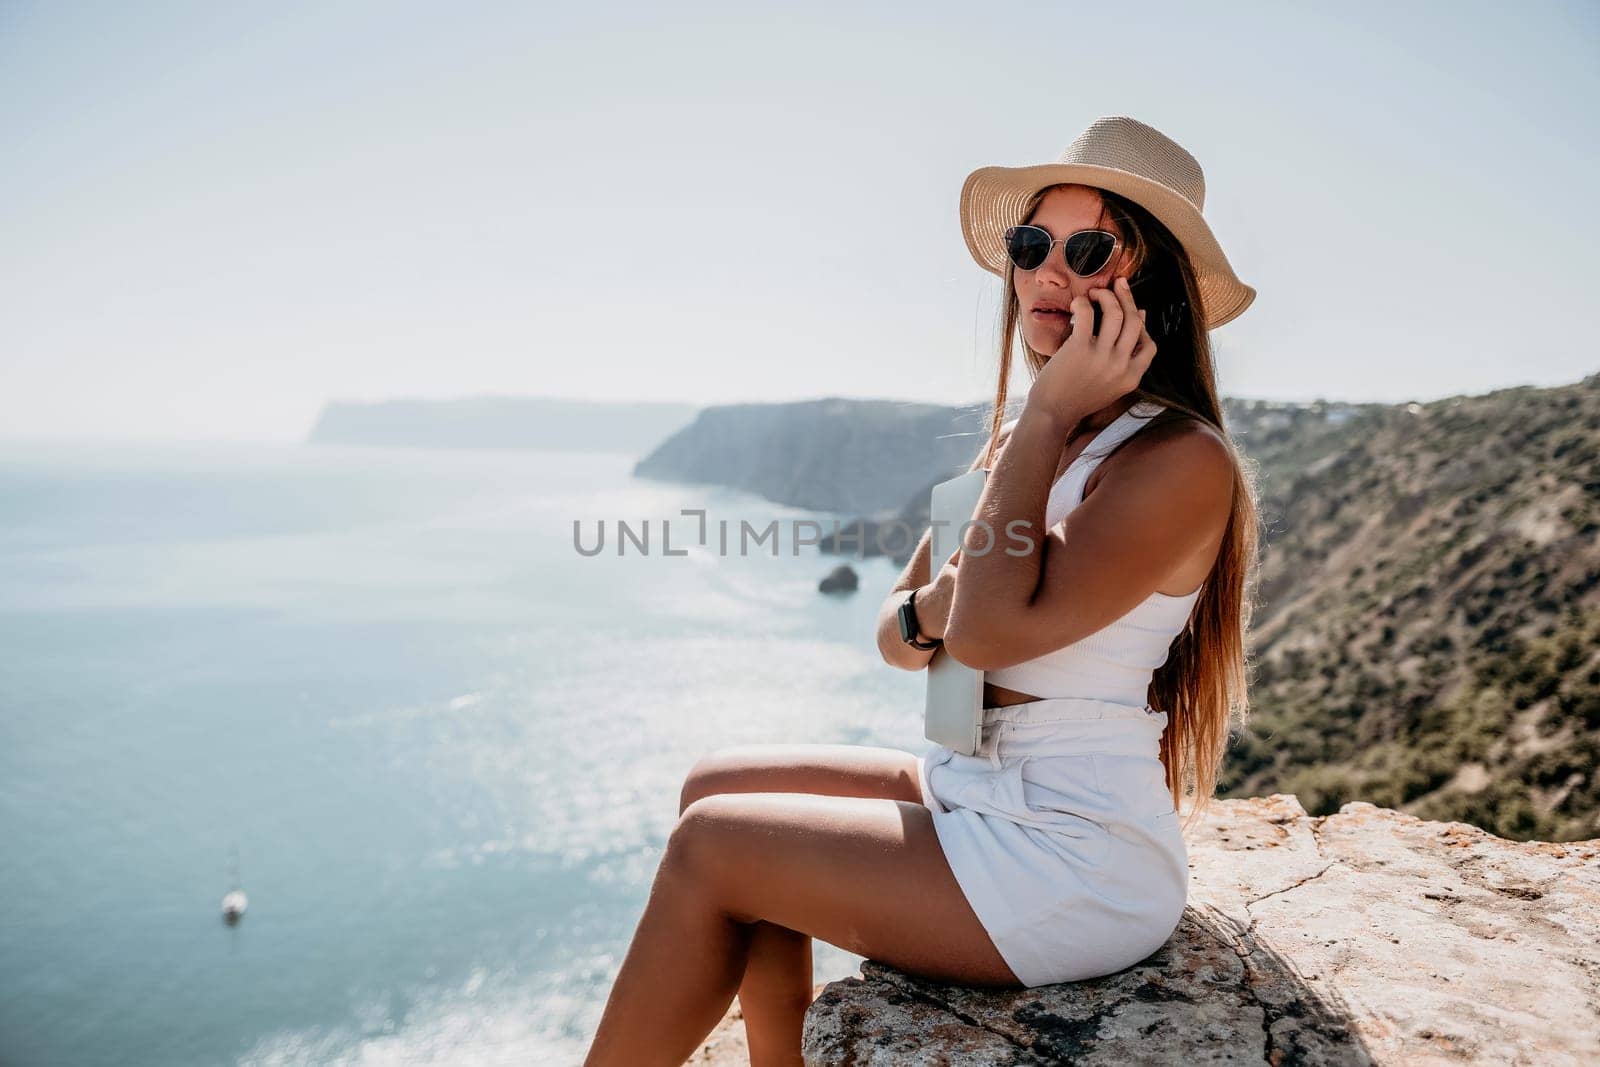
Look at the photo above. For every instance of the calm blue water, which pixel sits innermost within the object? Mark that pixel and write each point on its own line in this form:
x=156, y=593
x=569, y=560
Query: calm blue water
x=446, y=747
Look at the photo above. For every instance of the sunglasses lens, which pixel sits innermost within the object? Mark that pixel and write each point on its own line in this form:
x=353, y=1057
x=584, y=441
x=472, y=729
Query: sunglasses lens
x=1027, y=246
x=1089, y=251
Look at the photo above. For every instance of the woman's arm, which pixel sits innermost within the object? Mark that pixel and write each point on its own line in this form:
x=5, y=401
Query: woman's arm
x=916, y=575
x=998, y=584
x=1160, y=504
x=895, y=651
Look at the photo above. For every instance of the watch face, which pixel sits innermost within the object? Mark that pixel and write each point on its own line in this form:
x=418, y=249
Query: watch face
x=908, y=620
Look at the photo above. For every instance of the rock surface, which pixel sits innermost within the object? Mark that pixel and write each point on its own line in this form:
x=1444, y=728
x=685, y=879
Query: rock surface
x=1367, y=936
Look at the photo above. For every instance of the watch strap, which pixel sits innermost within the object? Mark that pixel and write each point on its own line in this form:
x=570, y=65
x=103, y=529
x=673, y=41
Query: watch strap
x=909, y=608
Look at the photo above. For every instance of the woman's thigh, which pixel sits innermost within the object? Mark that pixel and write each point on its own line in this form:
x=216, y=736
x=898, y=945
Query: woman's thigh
x=864, y=873
x=828, y=770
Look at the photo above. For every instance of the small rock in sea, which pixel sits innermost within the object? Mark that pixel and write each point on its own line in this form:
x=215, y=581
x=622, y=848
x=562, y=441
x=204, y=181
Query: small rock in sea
x=842, y=579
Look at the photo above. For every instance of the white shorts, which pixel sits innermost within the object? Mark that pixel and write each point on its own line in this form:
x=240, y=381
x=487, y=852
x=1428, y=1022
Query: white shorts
x=1062, y=835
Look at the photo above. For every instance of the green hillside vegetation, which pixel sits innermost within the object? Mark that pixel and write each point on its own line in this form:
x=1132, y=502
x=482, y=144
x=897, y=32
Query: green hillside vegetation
x=1427, y=634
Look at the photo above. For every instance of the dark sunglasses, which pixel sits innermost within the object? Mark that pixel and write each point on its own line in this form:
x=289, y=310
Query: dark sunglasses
x=1087, y=252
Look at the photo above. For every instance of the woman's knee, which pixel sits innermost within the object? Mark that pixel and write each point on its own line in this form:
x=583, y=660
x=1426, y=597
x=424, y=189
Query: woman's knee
x=711, y=774
x=698, y=846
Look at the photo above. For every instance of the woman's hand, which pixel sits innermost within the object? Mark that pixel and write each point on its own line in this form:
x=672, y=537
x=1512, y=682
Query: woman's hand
x=935, y=598
x=1092, y=370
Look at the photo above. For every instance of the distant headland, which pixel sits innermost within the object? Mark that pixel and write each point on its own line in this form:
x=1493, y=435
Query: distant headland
x=531, y=422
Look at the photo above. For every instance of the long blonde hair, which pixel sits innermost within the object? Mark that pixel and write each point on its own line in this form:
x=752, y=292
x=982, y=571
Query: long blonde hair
x=1204, y=683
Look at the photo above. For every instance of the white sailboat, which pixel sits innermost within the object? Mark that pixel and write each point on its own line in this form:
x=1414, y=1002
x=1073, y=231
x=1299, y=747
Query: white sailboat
x=234, y=902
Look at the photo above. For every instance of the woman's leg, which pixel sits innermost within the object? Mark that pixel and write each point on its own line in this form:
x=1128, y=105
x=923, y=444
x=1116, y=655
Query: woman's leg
x=775, y=994
x=864, y=873
x=776, y=989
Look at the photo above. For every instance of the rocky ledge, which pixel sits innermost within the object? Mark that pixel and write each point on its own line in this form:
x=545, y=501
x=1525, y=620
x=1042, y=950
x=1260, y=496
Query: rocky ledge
x=1363, y=937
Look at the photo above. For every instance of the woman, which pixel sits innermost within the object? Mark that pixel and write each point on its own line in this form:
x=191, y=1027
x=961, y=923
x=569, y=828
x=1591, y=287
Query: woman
x=1113, y=646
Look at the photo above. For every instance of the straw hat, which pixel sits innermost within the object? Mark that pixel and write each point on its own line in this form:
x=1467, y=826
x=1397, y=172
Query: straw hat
x=1125, y=156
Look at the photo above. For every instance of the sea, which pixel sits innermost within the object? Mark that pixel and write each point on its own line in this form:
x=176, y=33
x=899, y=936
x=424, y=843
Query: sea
x=391, y=695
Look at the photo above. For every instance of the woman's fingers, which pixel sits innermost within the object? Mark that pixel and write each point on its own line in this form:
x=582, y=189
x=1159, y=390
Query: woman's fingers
x=1133, y=324
x=1082, y=309
x=1132, y=334
x=1124, y=293
x=1111, y=305
x=1142, y=355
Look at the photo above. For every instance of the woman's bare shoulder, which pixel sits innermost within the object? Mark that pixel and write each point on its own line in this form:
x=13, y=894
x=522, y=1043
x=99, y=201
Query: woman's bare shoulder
x=1186, y=428
x=1000, y=442
x=1181, y=449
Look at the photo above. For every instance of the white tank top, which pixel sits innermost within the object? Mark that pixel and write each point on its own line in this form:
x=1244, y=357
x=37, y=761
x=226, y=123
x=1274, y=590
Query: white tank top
x=1116, y=662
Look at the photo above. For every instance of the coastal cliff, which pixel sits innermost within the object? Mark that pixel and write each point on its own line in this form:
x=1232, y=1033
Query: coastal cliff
x=834, y=454
x=1428, y=637
x=1367, y=936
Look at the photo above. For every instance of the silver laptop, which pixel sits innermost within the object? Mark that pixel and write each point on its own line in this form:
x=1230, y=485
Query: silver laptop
x=954, y=713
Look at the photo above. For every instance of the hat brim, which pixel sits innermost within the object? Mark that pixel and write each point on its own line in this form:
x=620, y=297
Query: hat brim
x=992, y=200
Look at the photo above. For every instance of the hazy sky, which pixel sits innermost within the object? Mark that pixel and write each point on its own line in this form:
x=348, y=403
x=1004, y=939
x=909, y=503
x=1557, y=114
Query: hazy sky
x=215, y=217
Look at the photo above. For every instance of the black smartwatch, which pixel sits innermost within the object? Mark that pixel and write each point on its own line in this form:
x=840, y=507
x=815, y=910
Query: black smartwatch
x=908, y=625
